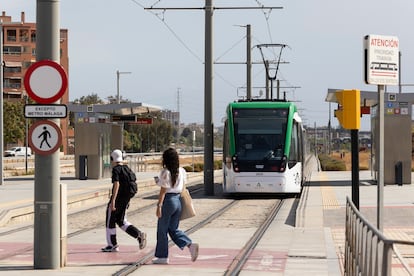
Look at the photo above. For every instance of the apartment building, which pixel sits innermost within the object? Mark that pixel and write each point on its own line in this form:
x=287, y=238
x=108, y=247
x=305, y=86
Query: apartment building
x=19, y=52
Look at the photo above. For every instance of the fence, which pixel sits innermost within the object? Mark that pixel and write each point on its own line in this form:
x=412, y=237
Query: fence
x=367, y=250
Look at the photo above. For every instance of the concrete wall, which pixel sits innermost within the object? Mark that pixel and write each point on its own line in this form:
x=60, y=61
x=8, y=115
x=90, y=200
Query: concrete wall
x=96, y=141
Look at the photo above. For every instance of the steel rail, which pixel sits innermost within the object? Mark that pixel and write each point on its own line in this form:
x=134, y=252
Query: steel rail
x=238, y=262
x=132, y=267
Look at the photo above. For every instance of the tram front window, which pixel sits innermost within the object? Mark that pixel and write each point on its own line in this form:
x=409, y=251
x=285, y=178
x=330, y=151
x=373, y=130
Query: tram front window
x=259, y=138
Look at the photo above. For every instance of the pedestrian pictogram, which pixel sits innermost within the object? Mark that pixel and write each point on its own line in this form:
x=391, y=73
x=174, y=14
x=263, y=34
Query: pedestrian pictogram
x=45, y=137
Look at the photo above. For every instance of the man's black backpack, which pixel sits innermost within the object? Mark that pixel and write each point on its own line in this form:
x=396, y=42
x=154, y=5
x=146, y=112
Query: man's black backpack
x=129, y=181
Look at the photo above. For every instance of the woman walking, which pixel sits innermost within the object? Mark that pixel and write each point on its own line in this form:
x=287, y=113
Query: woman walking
x=171, y=180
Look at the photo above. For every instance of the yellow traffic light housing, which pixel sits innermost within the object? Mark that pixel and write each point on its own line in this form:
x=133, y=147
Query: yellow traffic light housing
x=349, y=109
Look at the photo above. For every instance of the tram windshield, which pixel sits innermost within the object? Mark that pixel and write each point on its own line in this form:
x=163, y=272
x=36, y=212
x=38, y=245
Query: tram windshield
x=259, y=137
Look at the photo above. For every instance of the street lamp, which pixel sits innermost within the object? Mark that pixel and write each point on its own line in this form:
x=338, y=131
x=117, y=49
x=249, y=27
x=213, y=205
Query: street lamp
x=118, y=98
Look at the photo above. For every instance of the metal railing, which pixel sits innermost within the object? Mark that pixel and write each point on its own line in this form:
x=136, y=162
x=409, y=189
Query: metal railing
x=367, y=250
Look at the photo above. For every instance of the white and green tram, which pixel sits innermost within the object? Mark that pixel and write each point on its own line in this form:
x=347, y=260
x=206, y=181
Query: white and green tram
x=264, y=148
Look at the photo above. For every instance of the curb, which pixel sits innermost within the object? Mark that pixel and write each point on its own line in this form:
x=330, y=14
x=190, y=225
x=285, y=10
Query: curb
x=26, y=212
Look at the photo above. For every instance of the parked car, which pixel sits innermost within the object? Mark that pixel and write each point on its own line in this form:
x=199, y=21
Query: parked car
x=18, y=151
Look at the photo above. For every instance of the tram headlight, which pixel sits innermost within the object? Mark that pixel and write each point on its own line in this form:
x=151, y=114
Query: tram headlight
x=235, y=165
x=283, y=164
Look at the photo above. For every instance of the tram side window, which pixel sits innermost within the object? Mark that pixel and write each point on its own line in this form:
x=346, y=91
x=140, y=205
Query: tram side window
x=294, y=147
x=226, y=146
x=225, y=141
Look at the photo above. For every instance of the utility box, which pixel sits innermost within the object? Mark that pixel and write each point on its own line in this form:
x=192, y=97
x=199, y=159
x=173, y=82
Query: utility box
x=397, y=140
x=93, y=147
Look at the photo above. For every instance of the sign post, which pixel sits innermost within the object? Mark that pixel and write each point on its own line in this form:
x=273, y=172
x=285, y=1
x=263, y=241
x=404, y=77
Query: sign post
x=46, y=82
x=381, y=68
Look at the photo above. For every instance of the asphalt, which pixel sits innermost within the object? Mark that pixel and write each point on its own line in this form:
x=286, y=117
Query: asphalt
x=309, y=243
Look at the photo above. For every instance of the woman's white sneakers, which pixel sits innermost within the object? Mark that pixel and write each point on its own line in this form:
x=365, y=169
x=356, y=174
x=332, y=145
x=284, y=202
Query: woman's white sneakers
x=193, y=251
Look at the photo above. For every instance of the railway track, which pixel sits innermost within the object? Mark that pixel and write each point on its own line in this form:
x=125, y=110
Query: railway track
x=255, y=213
x=80, y=215
x=236, y=265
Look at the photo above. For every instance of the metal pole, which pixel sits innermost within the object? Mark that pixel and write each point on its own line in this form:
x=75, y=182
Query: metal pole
x=118, y=99
x=26, y=134
x=271, y=89
x=1, y=103
x=118, y=96
x=249, y=62
x=267, y=81
x=315, y=138
x=380, y=165
x=278, y=89
x=193, y=138
x=355, y=167
x=329, y=131
x=208, y=100
x=47, y=172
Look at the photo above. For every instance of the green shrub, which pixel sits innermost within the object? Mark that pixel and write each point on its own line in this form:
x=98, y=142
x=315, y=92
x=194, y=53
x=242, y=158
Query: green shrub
x=199, y=167
x=331, y=164
x=218, y=164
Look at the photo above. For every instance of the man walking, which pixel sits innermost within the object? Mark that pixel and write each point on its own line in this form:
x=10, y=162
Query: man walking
x=117, y=206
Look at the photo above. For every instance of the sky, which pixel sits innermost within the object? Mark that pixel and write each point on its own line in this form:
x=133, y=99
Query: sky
x=164, y=51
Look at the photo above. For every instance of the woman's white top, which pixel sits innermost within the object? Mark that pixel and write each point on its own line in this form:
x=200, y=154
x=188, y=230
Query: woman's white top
x=165, y=180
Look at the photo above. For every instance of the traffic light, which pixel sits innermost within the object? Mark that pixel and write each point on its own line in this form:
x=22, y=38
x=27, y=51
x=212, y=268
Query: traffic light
x=349, y=109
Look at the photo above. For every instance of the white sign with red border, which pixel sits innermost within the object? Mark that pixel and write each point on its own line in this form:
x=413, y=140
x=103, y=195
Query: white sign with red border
x=45, y=137
x=381, y=60
x=45, y=81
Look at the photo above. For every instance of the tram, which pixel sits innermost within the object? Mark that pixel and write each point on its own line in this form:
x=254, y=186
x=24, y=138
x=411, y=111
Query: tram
x=265, y=148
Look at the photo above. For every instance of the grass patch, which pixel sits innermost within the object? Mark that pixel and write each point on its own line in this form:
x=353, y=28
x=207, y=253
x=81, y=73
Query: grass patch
x=331, y=164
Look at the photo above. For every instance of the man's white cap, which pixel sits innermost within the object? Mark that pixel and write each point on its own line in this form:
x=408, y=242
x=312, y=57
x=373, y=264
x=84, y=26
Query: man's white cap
x=116, y=155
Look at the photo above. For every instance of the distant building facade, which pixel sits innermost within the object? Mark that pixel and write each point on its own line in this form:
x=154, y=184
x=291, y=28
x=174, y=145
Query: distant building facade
x=171, y=116
x=19, y=52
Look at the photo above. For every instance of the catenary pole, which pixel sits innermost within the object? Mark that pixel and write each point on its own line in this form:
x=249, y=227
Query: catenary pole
x=208, y=86
x=208, y=101
x=47, y=171
x=249, y=61
x=380, y=154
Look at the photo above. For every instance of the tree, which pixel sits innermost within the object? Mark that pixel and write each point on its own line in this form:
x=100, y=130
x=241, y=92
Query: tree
x=14, y=122
x=186, y=132
x=114, y=100
x=88, y=100
x=146, y=138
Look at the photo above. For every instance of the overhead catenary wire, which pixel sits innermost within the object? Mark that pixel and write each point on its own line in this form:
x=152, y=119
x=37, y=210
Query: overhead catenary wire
x=161, y=16
x=181, y=41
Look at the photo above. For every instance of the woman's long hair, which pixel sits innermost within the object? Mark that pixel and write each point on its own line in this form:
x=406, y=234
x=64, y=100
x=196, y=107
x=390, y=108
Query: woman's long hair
x=170, y=160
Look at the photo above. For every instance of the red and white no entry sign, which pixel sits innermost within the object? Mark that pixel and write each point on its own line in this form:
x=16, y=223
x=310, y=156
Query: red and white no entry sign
x=45, y=81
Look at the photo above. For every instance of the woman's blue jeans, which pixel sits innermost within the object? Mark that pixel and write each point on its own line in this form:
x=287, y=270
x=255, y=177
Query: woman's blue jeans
x=168, y=224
